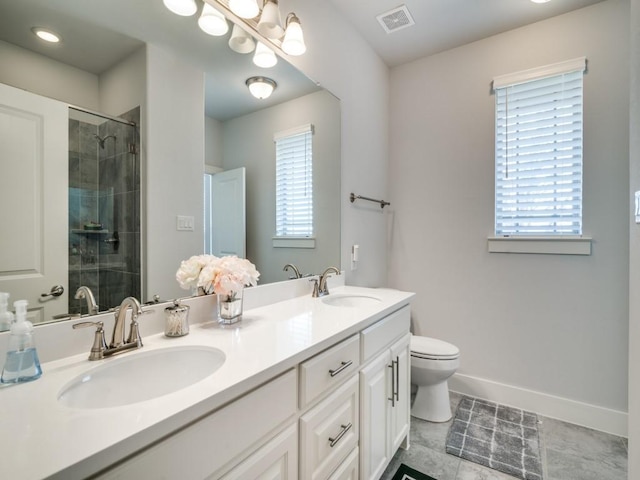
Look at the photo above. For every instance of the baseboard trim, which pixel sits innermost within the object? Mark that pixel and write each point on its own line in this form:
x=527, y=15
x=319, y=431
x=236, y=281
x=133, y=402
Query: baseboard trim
x=587, y=415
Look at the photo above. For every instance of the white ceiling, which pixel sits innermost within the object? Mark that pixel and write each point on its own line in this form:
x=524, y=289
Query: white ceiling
x=98, y=33
x=444, y=24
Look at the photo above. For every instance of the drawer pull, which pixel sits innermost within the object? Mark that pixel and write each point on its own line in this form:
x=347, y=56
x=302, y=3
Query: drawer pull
x=393, y=384
x=342, y=366
x=397, y=362
x=345, y=429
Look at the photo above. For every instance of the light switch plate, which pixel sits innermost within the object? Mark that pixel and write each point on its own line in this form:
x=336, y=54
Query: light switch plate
x=184, y=223
x=637, y=207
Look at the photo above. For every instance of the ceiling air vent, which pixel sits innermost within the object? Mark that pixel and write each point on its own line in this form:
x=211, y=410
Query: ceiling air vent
x=396, y=19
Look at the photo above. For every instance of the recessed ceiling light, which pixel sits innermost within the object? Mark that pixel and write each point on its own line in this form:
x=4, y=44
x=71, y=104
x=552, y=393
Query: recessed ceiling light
x=540, y=1
x=46, y=35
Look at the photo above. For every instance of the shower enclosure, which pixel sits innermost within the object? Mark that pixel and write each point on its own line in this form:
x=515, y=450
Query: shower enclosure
x=104, y=207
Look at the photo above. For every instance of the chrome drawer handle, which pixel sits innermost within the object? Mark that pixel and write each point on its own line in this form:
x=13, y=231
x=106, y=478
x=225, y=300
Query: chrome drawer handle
x=393, y=385
x=345, y=429
x=342, y=366
x=397, y=362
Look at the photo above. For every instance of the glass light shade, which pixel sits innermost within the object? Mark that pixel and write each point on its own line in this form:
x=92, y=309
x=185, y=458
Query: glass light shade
x=293, y=43
x=211, y=21
x=261, y=87
x=184, y=8
x=244, y=8
x=540, y=1
x=264, y=56
x=270, y=24
x=241, y=41
x=46, y=35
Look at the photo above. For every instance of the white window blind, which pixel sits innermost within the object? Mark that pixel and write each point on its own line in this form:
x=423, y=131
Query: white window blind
x=294, y=182
x=539, y=152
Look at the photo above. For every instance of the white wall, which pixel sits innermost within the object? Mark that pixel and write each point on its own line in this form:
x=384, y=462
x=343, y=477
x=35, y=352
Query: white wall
x=343, y=63
x=36, y=73
x=213, y=142
x=124, y=85
x=634, y=250
x=175, y=153
x=550, y=330
x=258, y=156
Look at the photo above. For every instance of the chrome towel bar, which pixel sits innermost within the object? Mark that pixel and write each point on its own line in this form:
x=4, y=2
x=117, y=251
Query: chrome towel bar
x=353, y=197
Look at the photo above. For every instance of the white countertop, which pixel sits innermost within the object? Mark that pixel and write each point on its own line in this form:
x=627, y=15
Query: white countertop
x=40, y=438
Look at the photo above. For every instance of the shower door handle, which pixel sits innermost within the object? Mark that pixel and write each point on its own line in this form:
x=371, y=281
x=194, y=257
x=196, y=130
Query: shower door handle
x=55, y=291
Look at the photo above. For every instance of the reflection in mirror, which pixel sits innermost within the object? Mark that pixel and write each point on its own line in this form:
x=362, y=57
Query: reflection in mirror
x=104, y=208
x=239, y=132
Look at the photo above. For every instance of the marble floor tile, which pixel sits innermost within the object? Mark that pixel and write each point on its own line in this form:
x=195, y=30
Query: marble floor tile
x=473, y=471
x=438, y=465
x=567, y=452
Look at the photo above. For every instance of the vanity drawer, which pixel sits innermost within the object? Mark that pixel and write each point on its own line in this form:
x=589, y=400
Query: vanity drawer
x=329, y=432
x=383, y=333
x=323, y=372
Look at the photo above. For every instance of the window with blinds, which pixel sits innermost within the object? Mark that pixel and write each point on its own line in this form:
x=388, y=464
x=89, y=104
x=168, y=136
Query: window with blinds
x=294, y=182
x=539, y=151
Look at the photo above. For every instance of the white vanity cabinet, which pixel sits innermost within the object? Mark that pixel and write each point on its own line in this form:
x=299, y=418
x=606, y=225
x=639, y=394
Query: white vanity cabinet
x=206, y=448
x=385, y=392
x=338, y=415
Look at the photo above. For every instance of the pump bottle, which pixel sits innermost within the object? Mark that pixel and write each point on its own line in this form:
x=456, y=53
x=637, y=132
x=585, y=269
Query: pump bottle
x=22, y=364
x=6, y=317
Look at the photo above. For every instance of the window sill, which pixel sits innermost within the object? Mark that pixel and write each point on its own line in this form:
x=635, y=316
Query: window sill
x=294, y=242
x=540, y=245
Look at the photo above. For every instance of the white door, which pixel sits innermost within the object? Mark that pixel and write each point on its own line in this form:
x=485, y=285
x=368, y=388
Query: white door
x=33, y=200
x=228, y=219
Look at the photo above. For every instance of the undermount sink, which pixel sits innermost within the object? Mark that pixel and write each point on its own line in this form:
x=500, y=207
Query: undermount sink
x=142, y=376
x=349, y=300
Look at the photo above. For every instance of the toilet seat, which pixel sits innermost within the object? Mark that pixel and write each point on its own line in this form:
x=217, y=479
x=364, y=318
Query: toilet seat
x=433, y=349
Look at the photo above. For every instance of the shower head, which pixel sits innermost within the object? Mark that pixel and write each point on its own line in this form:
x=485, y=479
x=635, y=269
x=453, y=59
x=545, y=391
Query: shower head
x=102, y=140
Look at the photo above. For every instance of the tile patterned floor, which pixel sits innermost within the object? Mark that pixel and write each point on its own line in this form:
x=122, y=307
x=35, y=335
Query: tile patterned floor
x=569, y=452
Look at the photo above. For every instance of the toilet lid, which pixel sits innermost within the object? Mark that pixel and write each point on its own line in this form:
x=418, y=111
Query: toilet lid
x=426, y=347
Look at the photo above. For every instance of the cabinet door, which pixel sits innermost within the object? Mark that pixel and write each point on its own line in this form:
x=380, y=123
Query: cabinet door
x=348, y=470
x=401, y=410
x=375, y=389
x=277, y=460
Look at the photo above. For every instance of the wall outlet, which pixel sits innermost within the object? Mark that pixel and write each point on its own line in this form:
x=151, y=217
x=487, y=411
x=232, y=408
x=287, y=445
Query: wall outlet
x=184, y=223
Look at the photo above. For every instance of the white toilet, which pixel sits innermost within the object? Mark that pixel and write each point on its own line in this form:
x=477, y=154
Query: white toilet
x=432, y=363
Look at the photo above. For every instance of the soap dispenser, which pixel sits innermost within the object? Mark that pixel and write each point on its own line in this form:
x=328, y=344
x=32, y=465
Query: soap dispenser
x=6, y=317
x=22, y=364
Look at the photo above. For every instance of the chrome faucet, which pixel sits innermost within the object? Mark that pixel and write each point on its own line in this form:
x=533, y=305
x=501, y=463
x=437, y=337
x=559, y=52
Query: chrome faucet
x=86, y=293
x=323, y=289
x=117, y=338
x=294, y=268
x=118, y=344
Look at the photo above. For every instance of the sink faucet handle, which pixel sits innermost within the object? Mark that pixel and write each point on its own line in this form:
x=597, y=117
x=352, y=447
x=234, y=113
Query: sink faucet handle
x=99, y=343
x=315, y=293
x=134, y=333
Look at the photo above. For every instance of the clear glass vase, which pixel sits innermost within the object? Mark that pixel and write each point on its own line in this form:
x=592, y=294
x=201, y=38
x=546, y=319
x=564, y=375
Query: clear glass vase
x=230, y=308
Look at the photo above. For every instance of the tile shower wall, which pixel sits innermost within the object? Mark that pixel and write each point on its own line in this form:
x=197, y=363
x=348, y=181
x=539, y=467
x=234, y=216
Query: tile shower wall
x=104, y=187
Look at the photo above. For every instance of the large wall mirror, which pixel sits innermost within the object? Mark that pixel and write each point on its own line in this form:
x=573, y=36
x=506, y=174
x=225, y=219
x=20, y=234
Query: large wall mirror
x=104, y=223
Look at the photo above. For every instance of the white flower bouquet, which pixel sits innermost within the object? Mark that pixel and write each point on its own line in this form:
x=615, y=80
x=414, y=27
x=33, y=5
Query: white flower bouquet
x=220, y=275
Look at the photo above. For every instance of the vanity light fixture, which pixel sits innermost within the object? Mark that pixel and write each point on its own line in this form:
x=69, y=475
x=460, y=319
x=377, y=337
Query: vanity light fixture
x=270, y=24
x=264, y=56
x=262, y=24
x=244, y=8
x=184, y=8
x=211, y=21
x=293, y=42
x=241, y=41
x=261, y=87
x=46, y=35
